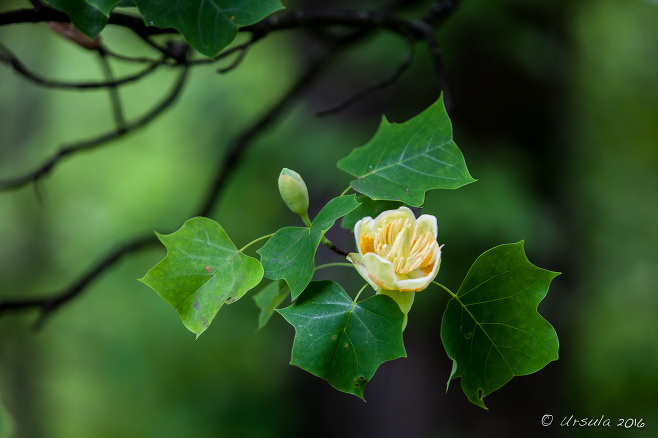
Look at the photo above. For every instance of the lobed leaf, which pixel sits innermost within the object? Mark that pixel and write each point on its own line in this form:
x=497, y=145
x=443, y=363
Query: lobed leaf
x=403, y=161
x=330, y=213
x=343, y=341
x=290, y=253
x=202, y=271
x=491, y=329
x=207, y=25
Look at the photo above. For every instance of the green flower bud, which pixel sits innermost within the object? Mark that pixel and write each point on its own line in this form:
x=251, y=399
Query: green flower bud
x=293, y=191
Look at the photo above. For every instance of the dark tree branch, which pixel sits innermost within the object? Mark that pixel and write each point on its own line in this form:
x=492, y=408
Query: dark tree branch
x=49, y=303
x=377, y=86
x=335, y=249
x=47, y=166
x=242, y=52
x=440, y=11
x=366, y=21
x=9, y=58
x=236, y=151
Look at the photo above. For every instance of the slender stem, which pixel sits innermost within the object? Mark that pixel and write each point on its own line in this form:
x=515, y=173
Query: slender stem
x=115, y=99
x=255, y=241
x=358, y=294
x=345, y=191
x=329, y=265
x=306, y=220
x=445, y=288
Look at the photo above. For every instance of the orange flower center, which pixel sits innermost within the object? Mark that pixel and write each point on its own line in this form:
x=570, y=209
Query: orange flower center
x=401, y=245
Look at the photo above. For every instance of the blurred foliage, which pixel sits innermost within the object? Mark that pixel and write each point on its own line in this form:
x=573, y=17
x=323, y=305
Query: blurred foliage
x=556, y=111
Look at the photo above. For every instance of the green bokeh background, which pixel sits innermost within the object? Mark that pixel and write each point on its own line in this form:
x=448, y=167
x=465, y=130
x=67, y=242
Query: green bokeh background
x=556, y=112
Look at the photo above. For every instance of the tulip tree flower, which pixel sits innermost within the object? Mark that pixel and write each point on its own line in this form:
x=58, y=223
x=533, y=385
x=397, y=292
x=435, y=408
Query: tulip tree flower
x=398, y=254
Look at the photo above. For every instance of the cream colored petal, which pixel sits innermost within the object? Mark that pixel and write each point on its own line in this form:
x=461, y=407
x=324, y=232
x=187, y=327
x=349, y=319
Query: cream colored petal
x=390, y=215
x=380, y=271
x=357, y=261
x=364, y=226
x=426, y=224
x=375, y=270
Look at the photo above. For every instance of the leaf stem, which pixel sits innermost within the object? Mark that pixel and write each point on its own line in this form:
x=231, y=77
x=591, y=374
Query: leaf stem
x=446, y=289
x=329, y=265
x=255, y=241
x=345, y=191
x=306, y=220
x=358, y=294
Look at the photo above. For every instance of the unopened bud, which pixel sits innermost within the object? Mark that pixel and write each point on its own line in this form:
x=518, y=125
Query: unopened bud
x=293, y=191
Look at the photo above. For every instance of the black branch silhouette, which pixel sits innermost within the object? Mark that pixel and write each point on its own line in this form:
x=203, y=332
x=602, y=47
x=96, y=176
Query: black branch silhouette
x=175, y=55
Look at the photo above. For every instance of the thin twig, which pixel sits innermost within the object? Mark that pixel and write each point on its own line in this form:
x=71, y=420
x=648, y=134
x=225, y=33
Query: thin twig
x=242, y=52
x=8, y=57
x=135, y=59
x=47, y=166
x=115, y=98
x=47, y=305
x=439, y=69
x=377, y=86
x=236, y=151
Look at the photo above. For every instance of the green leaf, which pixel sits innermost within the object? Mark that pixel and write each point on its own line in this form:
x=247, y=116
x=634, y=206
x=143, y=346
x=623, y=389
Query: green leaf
x=290, y=253
x=268, y=299
x=368, y=207
x=85, y=17
x=207, y=25
x=335, y=209
x=105, y=6
x=342, y=341
x=202, y=271
x=492, y=330
x=403, y=161
x=289, y=256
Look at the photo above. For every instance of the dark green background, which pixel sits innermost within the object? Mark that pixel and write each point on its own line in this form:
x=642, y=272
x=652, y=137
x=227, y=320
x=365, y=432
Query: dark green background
x=556, y=112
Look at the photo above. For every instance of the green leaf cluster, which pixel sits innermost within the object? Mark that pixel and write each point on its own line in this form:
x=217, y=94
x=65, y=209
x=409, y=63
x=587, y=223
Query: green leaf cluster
x=207, y=25
x=490, y=328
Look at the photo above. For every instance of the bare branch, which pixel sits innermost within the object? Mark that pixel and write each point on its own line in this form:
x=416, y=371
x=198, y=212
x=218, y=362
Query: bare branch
x=239, y=145
x=47, y=166
x=366, y=21
x=440, y=11
x=377, y=86
x=242, y=52
x=113, y=91
x=9, y=58
x=49, y=303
